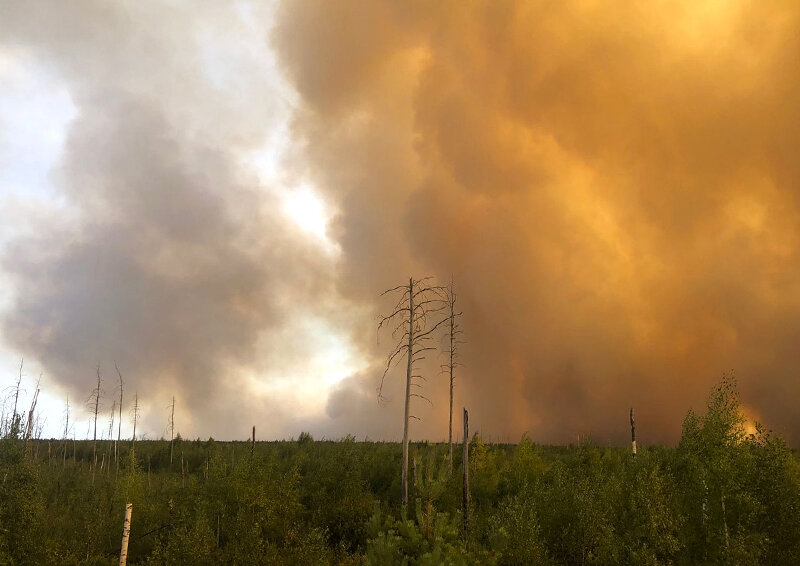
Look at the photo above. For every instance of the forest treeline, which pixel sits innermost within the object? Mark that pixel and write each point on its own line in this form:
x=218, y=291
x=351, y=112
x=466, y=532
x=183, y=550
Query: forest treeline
x=720, y=497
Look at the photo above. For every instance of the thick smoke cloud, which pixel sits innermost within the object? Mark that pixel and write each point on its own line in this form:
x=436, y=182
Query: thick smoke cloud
x=613, y=189
x=166, y=256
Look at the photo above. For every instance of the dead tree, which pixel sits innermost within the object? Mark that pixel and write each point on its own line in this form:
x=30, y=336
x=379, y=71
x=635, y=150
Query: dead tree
x=135, y=417
x=29, y=426
x=633, y=435
x=416, y=315
x=14, y=428
x=111, y=444
x=66, y=431
x=94, y=399
x=16, y=389
x=453, y=341
x=119, y=424
x=171, y=430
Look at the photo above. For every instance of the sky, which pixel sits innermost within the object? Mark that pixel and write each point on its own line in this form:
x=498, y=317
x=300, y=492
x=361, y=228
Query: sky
x=212, y=198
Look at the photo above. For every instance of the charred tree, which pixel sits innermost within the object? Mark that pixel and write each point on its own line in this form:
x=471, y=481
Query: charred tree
x=416, y=315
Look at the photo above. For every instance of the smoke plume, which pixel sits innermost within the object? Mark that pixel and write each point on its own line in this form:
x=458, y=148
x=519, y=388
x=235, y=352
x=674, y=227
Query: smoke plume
x=613, y=190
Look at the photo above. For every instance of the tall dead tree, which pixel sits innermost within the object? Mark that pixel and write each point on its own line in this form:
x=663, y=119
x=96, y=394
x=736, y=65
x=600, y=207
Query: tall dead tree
x=135, y=417
x=94, y=399
x=119, y=423
x=171, y=430
x=633, y=435
x=66, y=431
x=453, y=341
x=111, y=443
x=415, y=317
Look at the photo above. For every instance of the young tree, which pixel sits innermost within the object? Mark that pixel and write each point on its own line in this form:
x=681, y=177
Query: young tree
x=414, y=317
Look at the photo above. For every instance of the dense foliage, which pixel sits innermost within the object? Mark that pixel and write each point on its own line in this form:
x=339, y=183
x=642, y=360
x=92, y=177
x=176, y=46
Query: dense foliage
x=720, y=497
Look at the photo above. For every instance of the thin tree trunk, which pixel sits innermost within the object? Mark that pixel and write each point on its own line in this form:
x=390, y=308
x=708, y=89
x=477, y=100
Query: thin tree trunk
x=119, y=424
x=633, y=435
x=126, y=533
x=94, y=435
x=409, y=355
x=171, y=432
x=465, y=466
x=452, y=342
x=135, y=417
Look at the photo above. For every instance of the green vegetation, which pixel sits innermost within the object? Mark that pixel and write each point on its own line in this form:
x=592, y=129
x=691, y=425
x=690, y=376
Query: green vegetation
x=720, y=497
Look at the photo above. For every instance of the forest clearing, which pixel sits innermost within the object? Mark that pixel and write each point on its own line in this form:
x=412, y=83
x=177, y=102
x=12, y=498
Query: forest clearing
x=720, y=497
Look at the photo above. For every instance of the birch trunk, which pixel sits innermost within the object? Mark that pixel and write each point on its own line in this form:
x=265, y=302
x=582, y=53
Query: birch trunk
x=126, y=533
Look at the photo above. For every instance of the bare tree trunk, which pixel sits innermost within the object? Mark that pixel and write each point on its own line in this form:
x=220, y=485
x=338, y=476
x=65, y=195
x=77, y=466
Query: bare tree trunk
x=410, y=356
x=451, y=300
x=253, y=445
x=454, y=331
x=96, y=394
x=171, y=431
x=16, y=393
x=119, y=424
x=29, y=426
x=633, y=435
x=111, y=443
x=465, y=466
x=66, y=432
x=135, y=417
x=417, y=301
x=450, y=425
x=126, y=533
